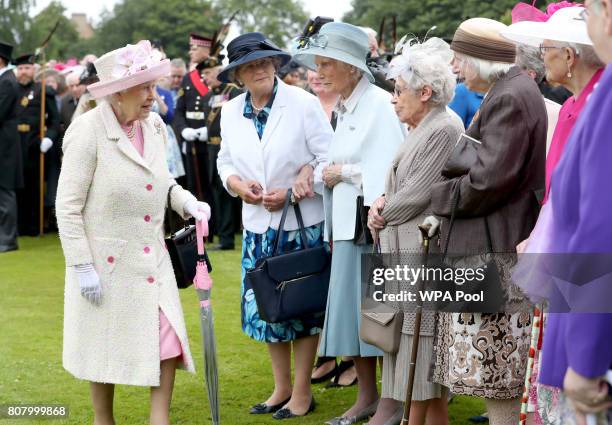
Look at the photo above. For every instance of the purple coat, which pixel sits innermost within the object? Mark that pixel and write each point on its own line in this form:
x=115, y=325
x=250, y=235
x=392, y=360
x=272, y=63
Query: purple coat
x=582, y=210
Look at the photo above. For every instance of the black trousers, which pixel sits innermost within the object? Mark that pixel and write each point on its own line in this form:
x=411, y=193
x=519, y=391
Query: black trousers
x=28, y=201
x=8, y=220
x=226, y=208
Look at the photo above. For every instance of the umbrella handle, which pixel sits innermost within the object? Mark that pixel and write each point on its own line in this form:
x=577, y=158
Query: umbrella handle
x=201, y=233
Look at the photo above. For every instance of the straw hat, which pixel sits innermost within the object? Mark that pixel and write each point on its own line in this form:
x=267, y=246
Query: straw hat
x=128, y=67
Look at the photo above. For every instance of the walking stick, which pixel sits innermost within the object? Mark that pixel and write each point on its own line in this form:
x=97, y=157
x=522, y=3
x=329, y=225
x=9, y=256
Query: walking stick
x=42, y=129
x=41, y=162
x=417, y=329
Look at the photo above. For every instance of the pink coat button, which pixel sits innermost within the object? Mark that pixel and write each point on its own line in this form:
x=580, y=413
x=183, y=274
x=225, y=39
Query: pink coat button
x=147, y=249
x=150, y=279
x=149, y=187
x=111, y=259
x=147, y=218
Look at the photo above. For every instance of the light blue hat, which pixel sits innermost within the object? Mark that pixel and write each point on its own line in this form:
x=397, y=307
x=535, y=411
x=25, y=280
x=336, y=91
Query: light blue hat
x=336, y=40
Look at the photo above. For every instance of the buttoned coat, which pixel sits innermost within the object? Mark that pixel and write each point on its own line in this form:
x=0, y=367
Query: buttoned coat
x=110, y=212
x=297, y=133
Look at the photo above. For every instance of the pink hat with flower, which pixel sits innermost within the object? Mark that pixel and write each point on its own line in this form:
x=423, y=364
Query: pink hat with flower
x=127, y=67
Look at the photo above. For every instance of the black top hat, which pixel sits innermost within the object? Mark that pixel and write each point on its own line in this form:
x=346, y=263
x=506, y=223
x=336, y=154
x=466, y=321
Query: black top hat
x=5, y=51
x=250, y=47
x=27, y=59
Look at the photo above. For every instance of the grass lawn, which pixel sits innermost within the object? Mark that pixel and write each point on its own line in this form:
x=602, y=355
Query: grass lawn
x=31, y=314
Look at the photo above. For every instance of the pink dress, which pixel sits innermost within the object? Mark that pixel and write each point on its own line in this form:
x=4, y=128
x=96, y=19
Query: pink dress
x=169, y=343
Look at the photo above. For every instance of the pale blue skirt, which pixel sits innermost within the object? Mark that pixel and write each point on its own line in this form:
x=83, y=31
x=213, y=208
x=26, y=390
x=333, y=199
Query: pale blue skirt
x=340, y=336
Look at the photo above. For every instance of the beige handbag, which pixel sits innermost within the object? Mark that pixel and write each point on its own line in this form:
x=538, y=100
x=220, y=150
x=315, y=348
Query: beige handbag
x=381, y=324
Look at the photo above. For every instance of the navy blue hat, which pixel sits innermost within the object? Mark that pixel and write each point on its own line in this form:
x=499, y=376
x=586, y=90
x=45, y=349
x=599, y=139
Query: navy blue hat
x=6, y=51
x=247, y=48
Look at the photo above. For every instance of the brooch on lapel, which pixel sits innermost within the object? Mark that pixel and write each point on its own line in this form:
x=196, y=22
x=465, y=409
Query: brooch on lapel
x=157, y=126
x=351, y=128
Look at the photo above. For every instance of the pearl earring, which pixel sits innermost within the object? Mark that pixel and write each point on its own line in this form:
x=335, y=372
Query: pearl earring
x=569, y=72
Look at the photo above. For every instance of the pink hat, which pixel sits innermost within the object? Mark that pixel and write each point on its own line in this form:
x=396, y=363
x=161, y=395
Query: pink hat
x=127, y=67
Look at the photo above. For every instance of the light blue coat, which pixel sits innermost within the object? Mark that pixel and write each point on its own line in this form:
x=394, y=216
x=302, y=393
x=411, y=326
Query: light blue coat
x=367, y=136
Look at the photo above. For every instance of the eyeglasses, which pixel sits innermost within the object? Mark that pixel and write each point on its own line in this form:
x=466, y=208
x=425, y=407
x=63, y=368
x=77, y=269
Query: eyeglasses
x=543, y=48
x=585, y=11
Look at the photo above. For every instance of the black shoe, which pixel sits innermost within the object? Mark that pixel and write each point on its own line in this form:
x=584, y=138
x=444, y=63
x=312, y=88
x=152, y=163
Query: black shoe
x=342, y=367
x=288, y=414
x=263, y=408
x=320, y=362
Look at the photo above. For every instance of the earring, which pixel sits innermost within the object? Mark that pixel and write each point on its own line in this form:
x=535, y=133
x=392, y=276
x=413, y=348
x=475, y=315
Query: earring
x=569, y=72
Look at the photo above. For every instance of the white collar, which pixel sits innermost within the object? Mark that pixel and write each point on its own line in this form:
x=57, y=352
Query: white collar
x=350, y=104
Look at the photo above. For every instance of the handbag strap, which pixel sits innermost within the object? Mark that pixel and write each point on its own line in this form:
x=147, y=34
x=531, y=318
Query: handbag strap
x=452, y=222
x=167, y=212
x=281, y=226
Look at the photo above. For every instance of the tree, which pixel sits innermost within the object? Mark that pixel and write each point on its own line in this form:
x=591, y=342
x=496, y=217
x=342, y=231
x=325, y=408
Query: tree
x=14, y=20
x=280, y=20
x=64, y=40
x=169, y=21
x=417, y=16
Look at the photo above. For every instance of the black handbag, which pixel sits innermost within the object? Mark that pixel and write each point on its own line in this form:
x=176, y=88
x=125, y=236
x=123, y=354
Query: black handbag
x=183, y=249
x=294, y=284
x=362, y=235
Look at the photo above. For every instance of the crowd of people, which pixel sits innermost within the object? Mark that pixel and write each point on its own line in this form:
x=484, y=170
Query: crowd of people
x=132, y=133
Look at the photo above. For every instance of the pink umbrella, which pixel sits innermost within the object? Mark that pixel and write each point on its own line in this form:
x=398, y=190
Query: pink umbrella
x=203, y=285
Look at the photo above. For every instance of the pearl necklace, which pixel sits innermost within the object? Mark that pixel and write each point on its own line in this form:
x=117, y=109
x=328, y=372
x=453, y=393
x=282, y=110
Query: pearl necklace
x=131, y=131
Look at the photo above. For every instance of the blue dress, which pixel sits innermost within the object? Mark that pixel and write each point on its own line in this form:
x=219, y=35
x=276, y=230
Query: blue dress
x=255, y=246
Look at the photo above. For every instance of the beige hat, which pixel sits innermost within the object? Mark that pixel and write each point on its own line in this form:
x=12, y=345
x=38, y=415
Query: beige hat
x=480, y=38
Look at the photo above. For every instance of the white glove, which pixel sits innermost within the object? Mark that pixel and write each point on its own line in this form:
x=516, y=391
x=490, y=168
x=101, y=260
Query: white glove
x=184, y=148
x=434, y=224
x=45, y=144
x=189, y=134
x=198, y=210
x=202, y=134
x=89, y=282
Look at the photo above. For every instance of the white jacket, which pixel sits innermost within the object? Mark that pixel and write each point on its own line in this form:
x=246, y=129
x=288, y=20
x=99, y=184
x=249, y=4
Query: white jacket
x=297, y=133
x=110, y=212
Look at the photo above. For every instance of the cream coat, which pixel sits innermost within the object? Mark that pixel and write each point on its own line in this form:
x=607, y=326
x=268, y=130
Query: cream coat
x=110, y=212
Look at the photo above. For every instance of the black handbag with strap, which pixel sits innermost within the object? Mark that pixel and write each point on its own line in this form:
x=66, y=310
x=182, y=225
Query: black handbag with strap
x=183, y=249
x=294, y=284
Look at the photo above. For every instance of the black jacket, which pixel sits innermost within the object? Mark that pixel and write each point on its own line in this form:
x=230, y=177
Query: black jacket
x=11, y=165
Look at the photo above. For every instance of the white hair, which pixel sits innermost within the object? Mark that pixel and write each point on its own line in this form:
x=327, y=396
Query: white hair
x=585, y=53
x=484, y=69
x=426, y=64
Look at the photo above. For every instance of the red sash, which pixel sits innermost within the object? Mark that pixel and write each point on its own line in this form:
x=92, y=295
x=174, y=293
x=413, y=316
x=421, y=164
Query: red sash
x=197, y=82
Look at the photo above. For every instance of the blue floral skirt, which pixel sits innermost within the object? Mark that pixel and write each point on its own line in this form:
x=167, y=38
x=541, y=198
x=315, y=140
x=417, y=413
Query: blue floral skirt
x=255, y=246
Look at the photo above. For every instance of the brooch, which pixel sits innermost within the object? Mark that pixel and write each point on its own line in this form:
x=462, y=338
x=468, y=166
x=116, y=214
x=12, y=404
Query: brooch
x=157, y=127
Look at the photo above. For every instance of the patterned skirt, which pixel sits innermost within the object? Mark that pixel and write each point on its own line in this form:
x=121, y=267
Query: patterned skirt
x=483, y=355
x=258, y=245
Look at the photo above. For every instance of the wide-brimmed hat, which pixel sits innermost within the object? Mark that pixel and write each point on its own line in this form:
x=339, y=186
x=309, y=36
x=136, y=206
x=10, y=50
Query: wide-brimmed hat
x=480, y=38
x=127, y=67
x=336, y=40
x=248, y=48
x=6, y=50
x=564, y=25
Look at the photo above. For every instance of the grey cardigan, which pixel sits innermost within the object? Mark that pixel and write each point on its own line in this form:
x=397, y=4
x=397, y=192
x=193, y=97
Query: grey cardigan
x=414, y=170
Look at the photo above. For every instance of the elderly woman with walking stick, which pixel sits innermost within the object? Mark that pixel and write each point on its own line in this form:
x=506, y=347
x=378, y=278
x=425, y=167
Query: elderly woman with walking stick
x=123, y=321
x=424, y=84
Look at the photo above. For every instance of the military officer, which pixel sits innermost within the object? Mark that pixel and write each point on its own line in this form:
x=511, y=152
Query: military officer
x=189, y=119
x=226, y=209
x=28, y=125
x=11, y=173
